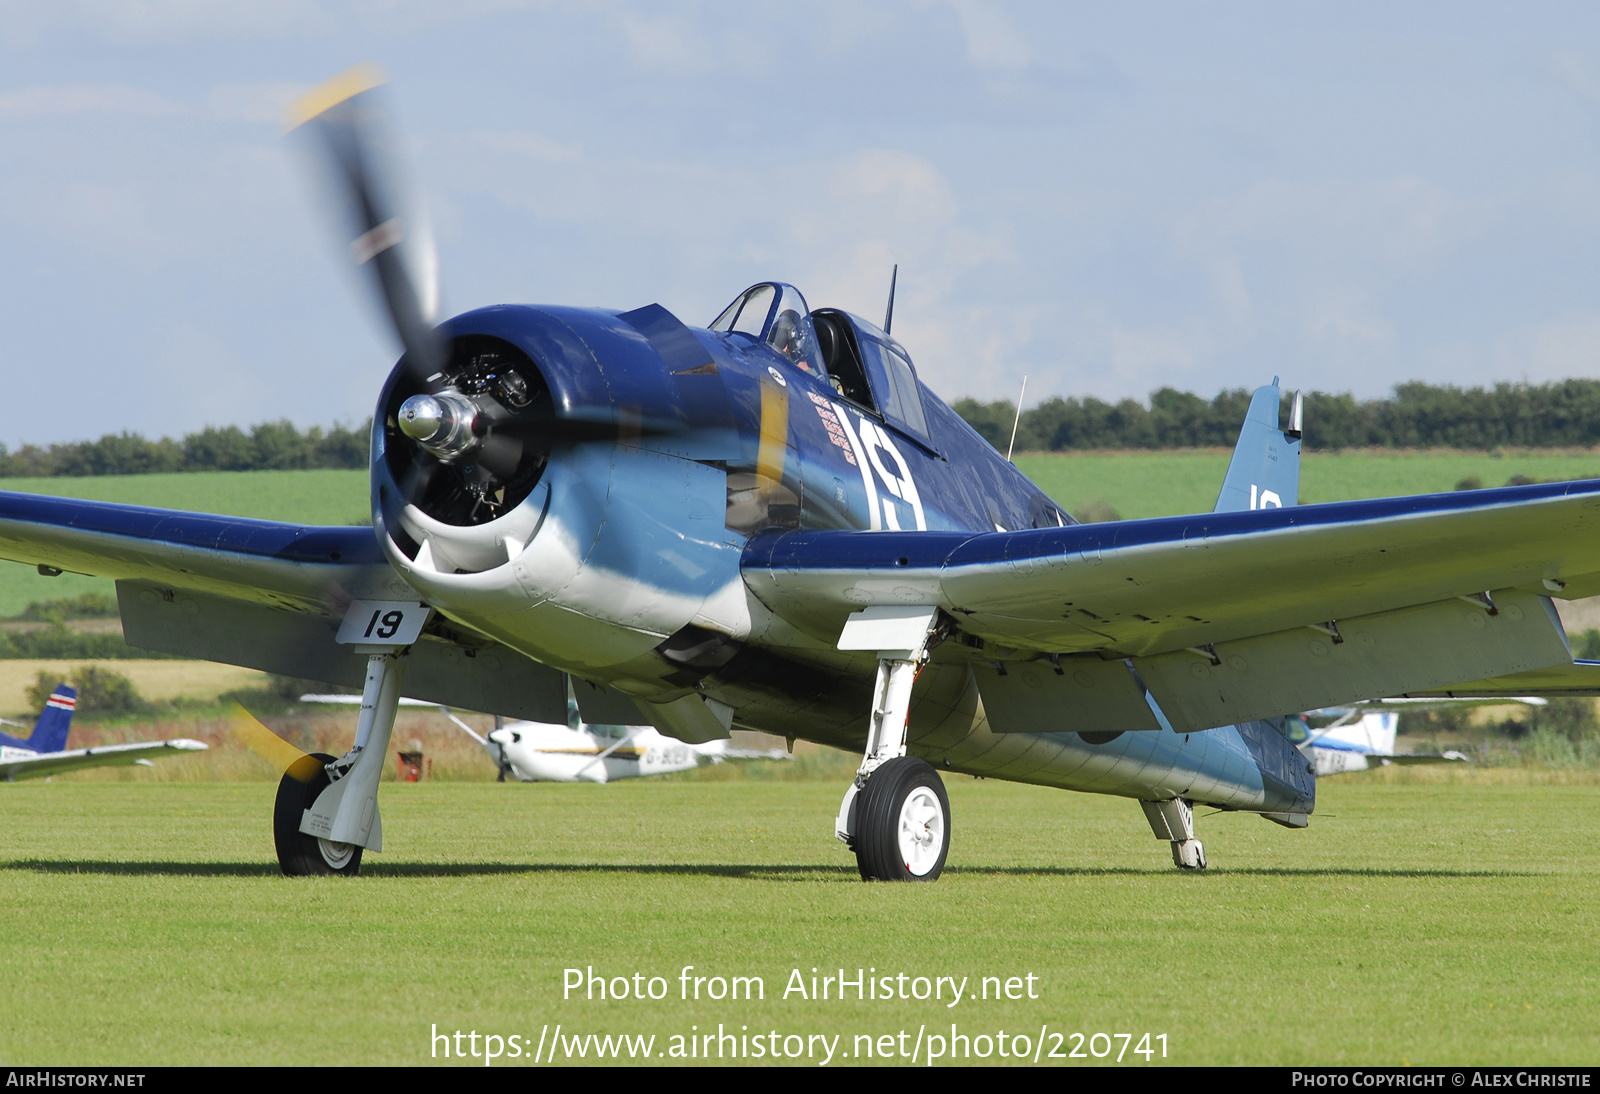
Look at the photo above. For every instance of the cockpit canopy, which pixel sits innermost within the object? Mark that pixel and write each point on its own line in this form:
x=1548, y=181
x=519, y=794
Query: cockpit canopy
x=776, y=314
x=862, y=363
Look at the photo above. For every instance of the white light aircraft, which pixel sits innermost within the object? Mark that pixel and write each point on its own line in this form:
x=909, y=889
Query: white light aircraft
x=1362, y=736
x=579, y=752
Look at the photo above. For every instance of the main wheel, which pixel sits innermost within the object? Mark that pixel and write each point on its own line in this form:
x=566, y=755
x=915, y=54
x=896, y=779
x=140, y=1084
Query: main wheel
x=301, y=855
x=902, y=822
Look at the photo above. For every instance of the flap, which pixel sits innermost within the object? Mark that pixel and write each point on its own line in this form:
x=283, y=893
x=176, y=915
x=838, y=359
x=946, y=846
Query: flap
x=492, y=678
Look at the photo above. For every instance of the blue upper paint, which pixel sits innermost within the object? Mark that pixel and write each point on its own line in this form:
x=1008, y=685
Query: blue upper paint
x=230, y=535
x=697, y=394
x=890, y=550
x=51, y=730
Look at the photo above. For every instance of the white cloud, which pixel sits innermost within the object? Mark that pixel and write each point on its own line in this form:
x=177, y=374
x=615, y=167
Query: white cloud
x=262, y=102
x=166, y=22
x=1564, y=346
x=665, y=43
x=86, y=99
x=992, y=41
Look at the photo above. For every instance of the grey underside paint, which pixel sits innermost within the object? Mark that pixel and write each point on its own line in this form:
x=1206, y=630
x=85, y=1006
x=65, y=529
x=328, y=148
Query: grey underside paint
x=192, y=624
x=1392, y=653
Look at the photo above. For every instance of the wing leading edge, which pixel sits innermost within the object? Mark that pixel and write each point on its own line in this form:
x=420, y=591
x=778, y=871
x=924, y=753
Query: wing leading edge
x=1139, y=588
x=266, y=562
x=262, y=594
x=1196, y=622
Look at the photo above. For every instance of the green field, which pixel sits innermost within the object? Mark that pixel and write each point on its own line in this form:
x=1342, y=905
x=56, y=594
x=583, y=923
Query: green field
x=1431, y=923
x=1160, y=484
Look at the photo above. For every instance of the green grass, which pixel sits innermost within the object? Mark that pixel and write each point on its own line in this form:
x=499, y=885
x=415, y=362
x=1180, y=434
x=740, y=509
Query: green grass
x=304, y=497
x=1158, y=484
x=1422, y=924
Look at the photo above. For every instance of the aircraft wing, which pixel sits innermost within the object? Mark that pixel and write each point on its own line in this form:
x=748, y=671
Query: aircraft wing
x=262, y=594
x=1451, y=756
x=264, y=562
x=1225, y=616
x=1577, y=679
x=54, y=763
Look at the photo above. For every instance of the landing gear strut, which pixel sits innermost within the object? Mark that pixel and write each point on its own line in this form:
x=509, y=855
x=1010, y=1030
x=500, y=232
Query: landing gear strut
x=321, y=826
x=1173, y=820
x=895, y=815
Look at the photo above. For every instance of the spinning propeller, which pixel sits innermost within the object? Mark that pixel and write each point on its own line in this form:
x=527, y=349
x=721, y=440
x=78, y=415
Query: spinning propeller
x=348, y=121
x=474, y=423
x=278, y=752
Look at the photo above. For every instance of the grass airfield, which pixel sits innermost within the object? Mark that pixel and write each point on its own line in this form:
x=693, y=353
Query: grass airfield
x=1426, y=917
x=1422, y=919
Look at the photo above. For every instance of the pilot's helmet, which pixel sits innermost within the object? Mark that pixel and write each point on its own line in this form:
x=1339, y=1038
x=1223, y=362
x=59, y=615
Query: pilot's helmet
x=788, y=337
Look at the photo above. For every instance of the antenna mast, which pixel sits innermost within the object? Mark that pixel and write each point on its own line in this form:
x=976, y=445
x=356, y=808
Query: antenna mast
x=1016, y=420
x=888, y=316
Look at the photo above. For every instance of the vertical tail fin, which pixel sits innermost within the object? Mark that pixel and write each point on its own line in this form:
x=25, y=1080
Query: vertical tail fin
x=1374, y=734
x=50, y=731
x=1265, y=470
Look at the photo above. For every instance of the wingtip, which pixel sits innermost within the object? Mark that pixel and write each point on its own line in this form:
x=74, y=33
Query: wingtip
x=330, y=93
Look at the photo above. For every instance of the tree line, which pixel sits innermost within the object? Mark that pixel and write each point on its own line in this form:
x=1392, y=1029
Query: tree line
x=269, y=446
x=1565, y=414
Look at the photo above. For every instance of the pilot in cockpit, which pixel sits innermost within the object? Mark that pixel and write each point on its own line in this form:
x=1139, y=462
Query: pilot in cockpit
x=788, y=337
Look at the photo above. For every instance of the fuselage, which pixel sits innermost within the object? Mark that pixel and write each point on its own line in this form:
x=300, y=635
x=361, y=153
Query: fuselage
x=540, y=752
x=622, y=561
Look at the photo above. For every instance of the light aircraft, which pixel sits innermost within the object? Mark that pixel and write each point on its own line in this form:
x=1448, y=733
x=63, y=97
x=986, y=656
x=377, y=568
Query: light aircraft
x=44, y=752
x=769, y=522
x=578, y=752
x=1360, y=740
x=1362, y=735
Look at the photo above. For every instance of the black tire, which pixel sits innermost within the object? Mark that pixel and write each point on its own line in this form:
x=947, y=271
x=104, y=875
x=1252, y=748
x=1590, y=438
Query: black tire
x=904, y=793
x=301, y=855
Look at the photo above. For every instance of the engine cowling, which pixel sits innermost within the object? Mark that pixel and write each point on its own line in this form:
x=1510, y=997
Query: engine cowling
x=526, y=491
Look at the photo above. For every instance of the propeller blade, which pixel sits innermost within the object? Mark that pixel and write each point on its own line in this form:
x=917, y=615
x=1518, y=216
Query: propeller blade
x=418, y=477
x=271, y=747
x=387, y=228
x=501, y=454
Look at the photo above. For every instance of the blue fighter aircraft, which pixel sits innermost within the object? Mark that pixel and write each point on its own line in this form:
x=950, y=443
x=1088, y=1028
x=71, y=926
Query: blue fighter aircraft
x=770, y=523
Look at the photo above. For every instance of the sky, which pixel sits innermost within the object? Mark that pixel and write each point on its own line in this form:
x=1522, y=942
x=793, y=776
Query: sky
x=1107, y=199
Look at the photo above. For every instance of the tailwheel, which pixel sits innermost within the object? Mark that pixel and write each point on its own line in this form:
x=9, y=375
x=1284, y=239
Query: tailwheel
x=301, y=855
x=902, y=822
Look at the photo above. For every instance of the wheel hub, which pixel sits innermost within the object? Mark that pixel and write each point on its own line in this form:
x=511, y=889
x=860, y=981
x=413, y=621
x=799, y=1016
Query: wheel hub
x=921, y=831
x=336, y=855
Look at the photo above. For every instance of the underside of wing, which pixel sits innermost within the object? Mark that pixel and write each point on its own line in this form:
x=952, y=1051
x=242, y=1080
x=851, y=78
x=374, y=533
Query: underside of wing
x=55, y=763
x=1577, y=679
